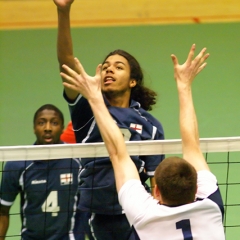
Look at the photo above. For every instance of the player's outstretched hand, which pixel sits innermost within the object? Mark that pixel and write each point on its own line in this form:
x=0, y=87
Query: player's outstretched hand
x=88, y=86
x=185, y=73
x=62, y=4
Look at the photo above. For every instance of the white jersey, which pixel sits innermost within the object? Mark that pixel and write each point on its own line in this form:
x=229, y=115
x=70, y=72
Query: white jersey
x=200, y=220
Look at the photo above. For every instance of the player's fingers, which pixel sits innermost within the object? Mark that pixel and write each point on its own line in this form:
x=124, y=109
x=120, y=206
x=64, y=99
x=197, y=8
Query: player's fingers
x=79, y=66
x=206, y=56
x=174, y=59
x=191, y=54
x=201, y=67
x=200, y=58
x=99, y=69
x=69, y=71
x=203, y=59
x=68, y=85
x=202, y=63
x=66, y=77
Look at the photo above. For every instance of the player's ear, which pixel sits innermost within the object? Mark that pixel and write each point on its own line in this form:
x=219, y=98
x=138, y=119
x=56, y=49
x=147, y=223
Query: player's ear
x=132, y=83
x=156, y=192
x=196, y=191
x=34, y=129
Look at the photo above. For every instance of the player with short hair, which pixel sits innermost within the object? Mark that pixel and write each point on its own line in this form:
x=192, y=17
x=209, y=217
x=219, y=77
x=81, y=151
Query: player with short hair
x=128, y=102
x=198, y=214
x=48, y=189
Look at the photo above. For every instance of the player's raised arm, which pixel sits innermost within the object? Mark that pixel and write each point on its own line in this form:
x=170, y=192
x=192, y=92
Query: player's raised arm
x=184, y=75
x=90, y=88
x=64, y=40
x=4, y=221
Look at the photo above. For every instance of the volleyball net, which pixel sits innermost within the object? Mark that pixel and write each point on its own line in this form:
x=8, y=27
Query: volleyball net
x=222, y=155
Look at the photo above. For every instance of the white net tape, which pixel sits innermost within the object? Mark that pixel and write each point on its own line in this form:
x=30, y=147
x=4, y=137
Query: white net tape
x=56, y=151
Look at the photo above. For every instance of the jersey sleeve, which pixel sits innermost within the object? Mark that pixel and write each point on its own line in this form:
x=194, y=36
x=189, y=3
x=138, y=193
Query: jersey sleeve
x=208, y=188
x=207, y=184
x=81, y=116
x=152, y=161
x=10, y=186
x=135, y=200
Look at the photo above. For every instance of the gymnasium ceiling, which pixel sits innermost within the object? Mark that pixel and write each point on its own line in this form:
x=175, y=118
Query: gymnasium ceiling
x=22, y=14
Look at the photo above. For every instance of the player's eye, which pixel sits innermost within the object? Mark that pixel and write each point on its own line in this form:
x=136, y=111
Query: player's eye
x=41, y=123
x=54, y=123
x=104, y=67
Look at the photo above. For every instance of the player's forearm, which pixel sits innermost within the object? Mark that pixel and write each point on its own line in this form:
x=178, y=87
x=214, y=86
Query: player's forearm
x=188, y=120
x=64, y=46
x=64, y=39
x=110, y=132
x=189, y=130
x=4, y=223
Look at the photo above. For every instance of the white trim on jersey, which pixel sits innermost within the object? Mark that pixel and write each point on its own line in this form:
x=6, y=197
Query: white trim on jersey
x=150, y=174
x=5, y=203
x=89, y=131
x=21, y=181
x=76, y=101
x=154, y=132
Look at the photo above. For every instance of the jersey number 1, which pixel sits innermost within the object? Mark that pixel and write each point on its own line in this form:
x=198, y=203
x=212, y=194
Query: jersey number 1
x=186, y=228
x=51, y=204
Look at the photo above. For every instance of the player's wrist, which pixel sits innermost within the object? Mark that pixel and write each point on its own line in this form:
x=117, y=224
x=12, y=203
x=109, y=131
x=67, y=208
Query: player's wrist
x=183, y=86
x=96, y=100
x=64, y=9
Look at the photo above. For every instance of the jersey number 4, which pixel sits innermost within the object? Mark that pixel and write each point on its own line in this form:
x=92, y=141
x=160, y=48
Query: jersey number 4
x=51, y=204
x=186, y=228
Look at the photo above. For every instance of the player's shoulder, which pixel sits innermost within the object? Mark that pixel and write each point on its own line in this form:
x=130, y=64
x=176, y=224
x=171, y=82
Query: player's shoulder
x=146, y=114
x=150, y=118
x=17, y=165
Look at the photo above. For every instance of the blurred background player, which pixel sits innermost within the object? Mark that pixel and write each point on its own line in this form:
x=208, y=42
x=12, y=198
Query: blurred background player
x=48, y=189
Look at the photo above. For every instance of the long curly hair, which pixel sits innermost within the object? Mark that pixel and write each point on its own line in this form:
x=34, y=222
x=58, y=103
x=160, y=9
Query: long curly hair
x=145, y=96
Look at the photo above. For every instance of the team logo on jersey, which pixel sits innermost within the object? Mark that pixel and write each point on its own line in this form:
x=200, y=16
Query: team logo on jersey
x=66, y=178
x=136, y=127
x=39, y=181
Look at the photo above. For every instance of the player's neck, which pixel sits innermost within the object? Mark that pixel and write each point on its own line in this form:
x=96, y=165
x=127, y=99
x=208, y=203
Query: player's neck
x=118, y=101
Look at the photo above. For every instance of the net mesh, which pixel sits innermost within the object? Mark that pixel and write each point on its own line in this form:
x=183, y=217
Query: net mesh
x=222, y=155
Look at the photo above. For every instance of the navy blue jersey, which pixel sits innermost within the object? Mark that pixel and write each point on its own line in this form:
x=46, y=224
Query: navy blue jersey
x=97, y=187
x=48, y=191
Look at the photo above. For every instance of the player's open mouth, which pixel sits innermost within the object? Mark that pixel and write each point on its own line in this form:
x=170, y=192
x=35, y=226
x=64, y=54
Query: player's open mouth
x=108, y=80
x=48, y=139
